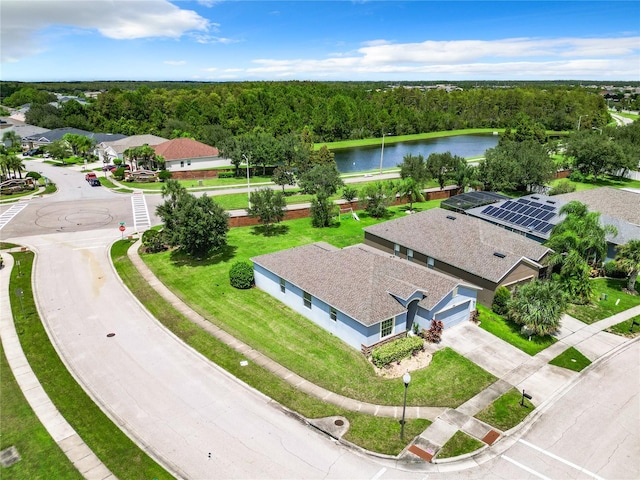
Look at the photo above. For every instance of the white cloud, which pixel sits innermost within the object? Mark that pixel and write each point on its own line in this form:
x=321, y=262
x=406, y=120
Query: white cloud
x=175, y=62
x=22, y=20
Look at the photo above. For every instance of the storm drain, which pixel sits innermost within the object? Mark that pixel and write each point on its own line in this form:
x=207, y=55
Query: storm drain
x=339, y=423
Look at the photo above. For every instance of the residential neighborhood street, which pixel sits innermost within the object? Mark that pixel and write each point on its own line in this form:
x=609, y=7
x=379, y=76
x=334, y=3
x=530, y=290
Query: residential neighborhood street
x=200, y=422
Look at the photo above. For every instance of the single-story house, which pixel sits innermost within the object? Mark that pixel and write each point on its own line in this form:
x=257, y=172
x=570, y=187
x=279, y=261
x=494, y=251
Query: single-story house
x=46, y=138
x=109, y=151
x=534, y=216
x=360, y=294
x=476, y=251
x=182, y=154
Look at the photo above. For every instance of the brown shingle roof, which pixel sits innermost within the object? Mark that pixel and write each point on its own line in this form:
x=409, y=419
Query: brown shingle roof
x=465, y=242
x=614, y=202
x=359, y=281
x=182, y=148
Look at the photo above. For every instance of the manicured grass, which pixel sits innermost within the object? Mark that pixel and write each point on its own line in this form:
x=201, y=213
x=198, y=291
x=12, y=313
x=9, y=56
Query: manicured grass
x=629, y=328
x=600, y=308
x=106, y=440
x=105, y=182
x=510, y=332
x=7, y=245
x=604, y=181
x=20, y=427
x=571, y=359
x=459, y=444
x=373, y=433
x=123, y=190
x=506, y=412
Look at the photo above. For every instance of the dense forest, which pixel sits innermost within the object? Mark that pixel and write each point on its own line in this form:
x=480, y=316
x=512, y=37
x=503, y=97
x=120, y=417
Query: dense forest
x=331, y=111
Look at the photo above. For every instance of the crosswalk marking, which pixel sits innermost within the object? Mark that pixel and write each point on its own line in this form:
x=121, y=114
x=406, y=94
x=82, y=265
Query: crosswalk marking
x=11, y=212
x=141, y=219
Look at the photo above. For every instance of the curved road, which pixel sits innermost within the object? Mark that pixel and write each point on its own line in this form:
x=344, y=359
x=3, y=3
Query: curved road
x=201, y=423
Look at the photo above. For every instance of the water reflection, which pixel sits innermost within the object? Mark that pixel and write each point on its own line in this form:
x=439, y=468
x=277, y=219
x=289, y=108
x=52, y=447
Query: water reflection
x=368, y=158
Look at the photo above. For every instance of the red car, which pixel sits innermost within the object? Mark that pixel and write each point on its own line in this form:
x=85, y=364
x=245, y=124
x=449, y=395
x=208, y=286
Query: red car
x=89, y=176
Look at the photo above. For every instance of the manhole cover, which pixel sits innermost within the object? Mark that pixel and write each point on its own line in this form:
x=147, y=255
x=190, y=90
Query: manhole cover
x=339, y=423
x=111, y=335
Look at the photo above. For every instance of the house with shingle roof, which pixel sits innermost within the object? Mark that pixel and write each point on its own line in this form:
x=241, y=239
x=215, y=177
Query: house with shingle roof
x=182, y=154
x=465, y=247
x=50, y=136
x=109, y=151
x=361, y=294
x=613, y=202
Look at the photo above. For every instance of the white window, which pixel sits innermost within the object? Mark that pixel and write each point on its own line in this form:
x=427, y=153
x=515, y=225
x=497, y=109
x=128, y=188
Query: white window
x=386, y=328
x=396, y=250
x=333, y=313
x=429, y=262
x=282, y=285
x=307, y=299
x=409, y=254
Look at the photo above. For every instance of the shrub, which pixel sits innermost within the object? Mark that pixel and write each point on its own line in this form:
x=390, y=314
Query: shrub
x=563, y=186
x=164, y=175
x=501, y=300
x=576, y=176
x=153, y=241
x=396, y=350
x=226, y=174
x=241, y=275
x=434, y=334
x=34, y=175
x=612, y=270
x=118, y=173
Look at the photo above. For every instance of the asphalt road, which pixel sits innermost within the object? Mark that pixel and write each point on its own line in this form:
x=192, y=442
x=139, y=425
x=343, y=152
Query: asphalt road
x=182, y=408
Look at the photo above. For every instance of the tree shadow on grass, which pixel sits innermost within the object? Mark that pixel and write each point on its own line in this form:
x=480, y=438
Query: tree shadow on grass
x=182, y=259
x=271, y=231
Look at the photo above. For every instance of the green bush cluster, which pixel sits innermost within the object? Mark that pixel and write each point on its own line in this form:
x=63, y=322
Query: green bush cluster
x=34, y=175
x=576, y=176
x=226, y=174
x=153, y=241
x=563, y=186
x=164, y=175
x=612, y=270
x=241, y=275
x=501, y=300
x=396, y=350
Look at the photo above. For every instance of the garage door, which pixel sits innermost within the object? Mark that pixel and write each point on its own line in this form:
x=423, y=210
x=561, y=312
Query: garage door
x=454, y=316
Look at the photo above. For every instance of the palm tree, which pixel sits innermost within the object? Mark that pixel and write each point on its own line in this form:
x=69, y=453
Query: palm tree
x=628, y=259
x=15, y=164
x=410, y=189
x=13, y=137
x=538, y=306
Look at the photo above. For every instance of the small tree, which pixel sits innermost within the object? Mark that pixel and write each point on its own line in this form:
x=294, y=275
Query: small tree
x=628, y=259
x=501, y=300
x=283, y=177
x=59, y=150
x=321, y=210
x=349, y=194
x=538, y=306
x=411, y=190
x=269, y=206
x=241, y=275
x=377, y=197
x=164, y=175
x=323, y=177
x=153, y=241
x=414, y=166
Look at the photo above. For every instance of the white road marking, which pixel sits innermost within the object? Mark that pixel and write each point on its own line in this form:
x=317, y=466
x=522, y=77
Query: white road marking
x=566, y=462
x=379, y=474
x=141, y=219
x=525, y=468
x=11, y=212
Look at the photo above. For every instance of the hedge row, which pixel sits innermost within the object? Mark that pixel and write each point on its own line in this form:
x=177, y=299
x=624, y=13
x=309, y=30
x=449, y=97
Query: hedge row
x=396, y=350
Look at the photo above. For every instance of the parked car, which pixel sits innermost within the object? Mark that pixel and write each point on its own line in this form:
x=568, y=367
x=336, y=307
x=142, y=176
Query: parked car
x=32, y=152
x=90, y=176
x=94, y=182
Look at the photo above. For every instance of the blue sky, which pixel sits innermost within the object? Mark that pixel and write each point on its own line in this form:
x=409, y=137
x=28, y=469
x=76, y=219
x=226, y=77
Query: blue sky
x=209, y=40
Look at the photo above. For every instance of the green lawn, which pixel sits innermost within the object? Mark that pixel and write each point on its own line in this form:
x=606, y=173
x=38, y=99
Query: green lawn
x=604, y=181
x=20, y=427
x=459, y=444
x=571, y=359
x=121, y=455
x=506, y=412
x=510, y=332
x=628, y=328
x=601, y=308
x=373, y=433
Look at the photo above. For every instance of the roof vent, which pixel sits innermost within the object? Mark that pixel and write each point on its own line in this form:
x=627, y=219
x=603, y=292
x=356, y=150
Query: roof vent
x=451, y=217
x=552, y=202
x=536, y=198
x=499, y=255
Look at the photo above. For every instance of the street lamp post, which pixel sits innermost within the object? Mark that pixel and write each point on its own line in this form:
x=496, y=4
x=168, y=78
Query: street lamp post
x=406, y=378
x=248, y=182
x=382, y=151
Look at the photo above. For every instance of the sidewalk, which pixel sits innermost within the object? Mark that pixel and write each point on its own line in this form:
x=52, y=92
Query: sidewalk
x=87, y=463
x=513, y=368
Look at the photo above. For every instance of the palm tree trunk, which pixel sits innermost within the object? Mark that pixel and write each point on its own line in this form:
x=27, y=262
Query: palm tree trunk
x=631, y=284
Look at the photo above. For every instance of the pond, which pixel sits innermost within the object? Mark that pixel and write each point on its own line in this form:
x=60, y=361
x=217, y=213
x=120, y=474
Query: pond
x=362, y=159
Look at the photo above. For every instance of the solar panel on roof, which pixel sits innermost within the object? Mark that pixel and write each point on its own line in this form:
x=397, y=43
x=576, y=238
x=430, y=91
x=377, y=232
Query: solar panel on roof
x=486, y=210
x=501, y=213
x=547, y=228
x=527, y=221
x=547, y=207
x=507, y=204
x=535, y=204
x=534, y=224
x=548, y=216
x=541, y=214
x=510, y=216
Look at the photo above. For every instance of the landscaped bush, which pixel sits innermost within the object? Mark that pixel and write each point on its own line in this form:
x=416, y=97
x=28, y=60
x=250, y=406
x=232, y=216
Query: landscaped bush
x=241, y=275
x=434, y=334
x=396, y=351
x=164, y=175
x=153, y=241
x=576, y=176
x=563, y=186
x=226, y=174
x=34, y=175
x=118, y=173
x=501, y=300
x=612, y=270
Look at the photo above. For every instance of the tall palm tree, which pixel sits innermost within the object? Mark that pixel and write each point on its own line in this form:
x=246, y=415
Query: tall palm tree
x=628, y=259
x=13, y=138
x=538, y=306
x=410, y=189
x=15, y=164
